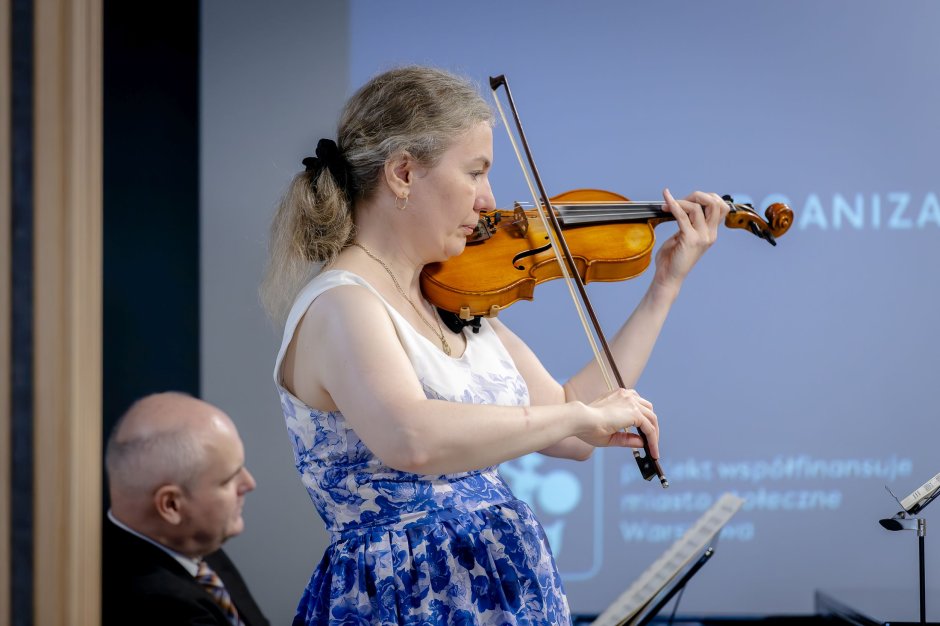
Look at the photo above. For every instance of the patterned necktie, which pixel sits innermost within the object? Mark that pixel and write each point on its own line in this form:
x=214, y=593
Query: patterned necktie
x=211, y=582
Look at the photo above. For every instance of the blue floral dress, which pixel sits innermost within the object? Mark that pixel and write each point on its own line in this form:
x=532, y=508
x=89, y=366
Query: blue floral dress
x=419, y=549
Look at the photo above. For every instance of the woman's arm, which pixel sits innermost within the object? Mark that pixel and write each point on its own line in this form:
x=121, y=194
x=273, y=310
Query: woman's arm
x=346, y=353
x=633, y=343
x=543, y=389
x=698, y=217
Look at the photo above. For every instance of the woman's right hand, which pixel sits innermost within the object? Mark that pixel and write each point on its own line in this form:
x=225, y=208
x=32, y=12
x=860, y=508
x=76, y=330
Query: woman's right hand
x=610, y=416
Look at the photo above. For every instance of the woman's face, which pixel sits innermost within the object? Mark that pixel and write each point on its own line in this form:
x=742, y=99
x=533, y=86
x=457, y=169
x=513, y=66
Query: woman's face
x=449, y=197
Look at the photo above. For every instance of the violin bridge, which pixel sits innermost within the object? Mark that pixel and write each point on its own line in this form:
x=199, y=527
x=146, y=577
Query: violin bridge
x=520, y=220
x=482, y=232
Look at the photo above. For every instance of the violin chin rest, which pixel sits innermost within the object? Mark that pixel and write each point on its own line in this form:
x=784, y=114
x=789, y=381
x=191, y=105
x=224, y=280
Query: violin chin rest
x=456, y=324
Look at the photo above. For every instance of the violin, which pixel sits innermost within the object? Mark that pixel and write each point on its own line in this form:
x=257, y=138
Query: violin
x=613, y=239
x=610, y=239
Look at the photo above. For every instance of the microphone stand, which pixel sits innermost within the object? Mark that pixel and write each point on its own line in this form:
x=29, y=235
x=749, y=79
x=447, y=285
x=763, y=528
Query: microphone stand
x=908, y=520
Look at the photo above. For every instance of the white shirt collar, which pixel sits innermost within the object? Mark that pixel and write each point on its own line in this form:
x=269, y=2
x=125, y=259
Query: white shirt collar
x=191, y=565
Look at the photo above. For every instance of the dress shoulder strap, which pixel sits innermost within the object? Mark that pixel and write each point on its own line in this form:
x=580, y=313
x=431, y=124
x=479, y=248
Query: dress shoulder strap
x=320, y=283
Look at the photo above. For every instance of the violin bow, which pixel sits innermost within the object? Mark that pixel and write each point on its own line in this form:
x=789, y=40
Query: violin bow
x=648, y=466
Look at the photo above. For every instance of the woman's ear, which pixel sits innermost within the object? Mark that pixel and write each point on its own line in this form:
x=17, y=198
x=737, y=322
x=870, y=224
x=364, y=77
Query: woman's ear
x=168, y=501
x=399, y=173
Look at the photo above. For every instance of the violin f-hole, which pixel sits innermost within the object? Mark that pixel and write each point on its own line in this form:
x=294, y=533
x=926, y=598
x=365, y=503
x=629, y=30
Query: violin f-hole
x=528, y=253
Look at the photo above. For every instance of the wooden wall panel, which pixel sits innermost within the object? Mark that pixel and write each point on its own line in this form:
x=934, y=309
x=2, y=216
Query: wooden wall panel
x=67, y=287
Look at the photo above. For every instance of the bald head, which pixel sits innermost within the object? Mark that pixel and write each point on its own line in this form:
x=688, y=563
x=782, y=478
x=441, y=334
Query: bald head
x=160, y=440
x=176, y=472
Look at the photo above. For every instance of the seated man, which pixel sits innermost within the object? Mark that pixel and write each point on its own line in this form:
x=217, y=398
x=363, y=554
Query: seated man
x=177, y=479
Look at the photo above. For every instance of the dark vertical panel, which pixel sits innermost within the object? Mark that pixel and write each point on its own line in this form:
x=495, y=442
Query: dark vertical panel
x=151, y=201
x=21, y=322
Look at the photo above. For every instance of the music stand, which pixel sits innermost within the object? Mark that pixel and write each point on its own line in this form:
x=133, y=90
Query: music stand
x=651, y=610
x=673, y=568
x=906, y=519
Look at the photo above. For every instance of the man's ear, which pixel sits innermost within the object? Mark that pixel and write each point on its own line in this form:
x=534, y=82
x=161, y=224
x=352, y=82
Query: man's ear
x=168, y=501
x=400, y=171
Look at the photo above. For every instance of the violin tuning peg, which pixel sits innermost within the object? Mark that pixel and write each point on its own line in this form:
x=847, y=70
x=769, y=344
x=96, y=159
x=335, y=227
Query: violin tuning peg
x=762, y=233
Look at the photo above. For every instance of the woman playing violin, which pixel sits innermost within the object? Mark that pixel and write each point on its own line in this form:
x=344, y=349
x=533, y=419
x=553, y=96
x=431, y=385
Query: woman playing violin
x=397, y=422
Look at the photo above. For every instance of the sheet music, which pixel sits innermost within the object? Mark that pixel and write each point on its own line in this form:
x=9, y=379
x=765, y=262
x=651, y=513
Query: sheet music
x=920, y=493
x=692, y=543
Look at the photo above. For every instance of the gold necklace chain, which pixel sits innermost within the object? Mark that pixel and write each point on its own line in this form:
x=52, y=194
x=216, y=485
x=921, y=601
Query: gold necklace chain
x=440, y=331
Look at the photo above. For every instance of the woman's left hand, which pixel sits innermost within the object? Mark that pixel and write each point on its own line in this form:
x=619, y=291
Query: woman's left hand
x=698, y=216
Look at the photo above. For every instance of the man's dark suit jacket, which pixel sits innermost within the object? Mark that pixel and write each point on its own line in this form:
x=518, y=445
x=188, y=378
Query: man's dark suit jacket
x=143, y=585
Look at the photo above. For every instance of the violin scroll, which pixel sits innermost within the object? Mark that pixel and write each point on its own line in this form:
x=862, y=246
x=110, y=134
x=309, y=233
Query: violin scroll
x=779, y=218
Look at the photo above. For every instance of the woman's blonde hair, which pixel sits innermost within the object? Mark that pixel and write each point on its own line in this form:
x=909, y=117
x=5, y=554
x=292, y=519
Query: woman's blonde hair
x=418, y=110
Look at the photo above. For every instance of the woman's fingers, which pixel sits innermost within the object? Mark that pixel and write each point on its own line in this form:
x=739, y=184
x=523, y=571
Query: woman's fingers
x=621, y=409
x=649, y=425
x=679, y=211
x=714, y=209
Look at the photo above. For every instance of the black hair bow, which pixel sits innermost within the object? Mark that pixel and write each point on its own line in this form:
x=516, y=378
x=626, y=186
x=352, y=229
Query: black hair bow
x=329, y=156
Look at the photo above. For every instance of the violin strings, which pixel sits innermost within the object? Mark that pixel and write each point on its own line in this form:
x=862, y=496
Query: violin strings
x=601, y=212
x=614, y=211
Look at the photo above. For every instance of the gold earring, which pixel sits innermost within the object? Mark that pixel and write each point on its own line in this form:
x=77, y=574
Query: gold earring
x=401, y=205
